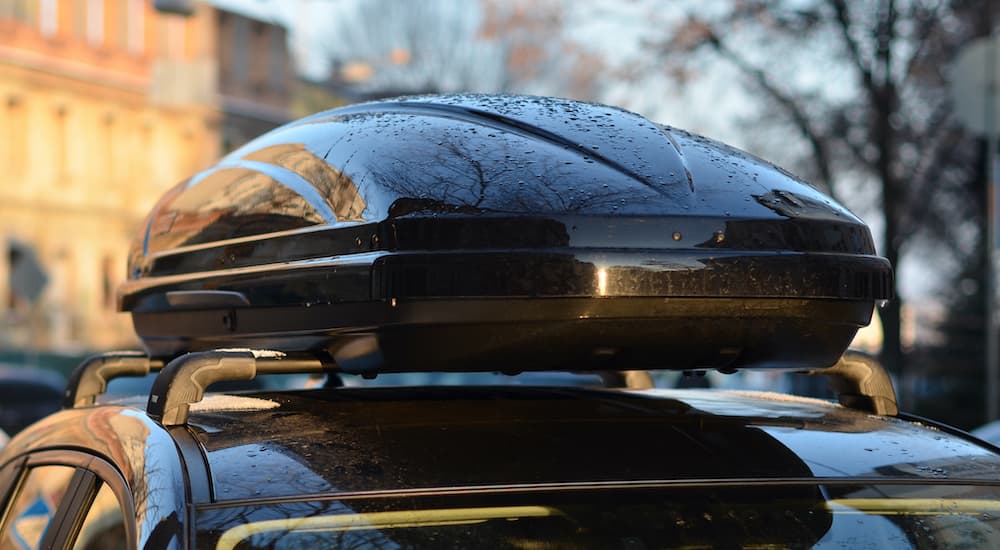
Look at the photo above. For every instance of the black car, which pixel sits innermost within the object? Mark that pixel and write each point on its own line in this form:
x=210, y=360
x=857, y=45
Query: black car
x=499, y=467
x=471, y=234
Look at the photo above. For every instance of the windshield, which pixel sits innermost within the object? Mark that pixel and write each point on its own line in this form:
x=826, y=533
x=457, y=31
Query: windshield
x=761, y=515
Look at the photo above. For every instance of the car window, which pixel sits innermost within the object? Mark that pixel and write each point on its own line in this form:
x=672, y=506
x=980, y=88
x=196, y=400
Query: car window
x=103, y=527
x=708, y=516
x=34, y=506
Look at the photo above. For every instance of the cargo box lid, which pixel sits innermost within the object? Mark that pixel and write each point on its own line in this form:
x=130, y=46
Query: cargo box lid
x=476, y=210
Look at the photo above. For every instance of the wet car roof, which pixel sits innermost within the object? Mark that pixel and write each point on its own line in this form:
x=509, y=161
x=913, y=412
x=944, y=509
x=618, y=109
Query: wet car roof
x=388, y=439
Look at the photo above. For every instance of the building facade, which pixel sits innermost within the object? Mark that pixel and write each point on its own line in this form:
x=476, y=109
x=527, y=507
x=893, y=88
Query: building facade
x=256, y=76
x=105, y=104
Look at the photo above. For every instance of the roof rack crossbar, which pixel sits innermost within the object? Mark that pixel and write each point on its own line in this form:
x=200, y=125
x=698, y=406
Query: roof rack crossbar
x=184, y=380
x=861, y=383
x=90, y=378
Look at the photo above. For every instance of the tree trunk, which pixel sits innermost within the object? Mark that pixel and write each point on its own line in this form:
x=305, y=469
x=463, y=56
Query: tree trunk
x=882, y=90
x=892, y=348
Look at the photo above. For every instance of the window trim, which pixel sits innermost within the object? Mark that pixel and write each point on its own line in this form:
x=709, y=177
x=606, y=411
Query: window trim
x=10, y=474
x=82, y=488
x=81, y=485
x=14, y=474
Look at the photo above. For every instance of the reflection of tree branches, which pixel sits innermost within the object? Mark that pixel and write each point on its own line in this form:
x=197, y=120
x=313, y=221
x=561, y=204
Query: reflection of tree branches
x=235, y=203
x=410, y=47
x=213, y=523
x=493, y=172
x=821, y=154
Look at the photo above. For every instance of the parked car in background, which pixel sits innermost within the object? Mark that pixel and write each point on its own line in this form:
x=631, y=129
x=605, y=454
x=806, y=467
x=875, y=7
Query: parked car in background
x=28, y=394
x=988, y=432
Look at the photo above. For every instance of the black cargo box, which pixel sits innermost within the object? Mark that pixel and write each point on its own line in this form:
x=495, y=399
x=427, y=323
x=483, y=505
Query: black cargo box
x=475, y=232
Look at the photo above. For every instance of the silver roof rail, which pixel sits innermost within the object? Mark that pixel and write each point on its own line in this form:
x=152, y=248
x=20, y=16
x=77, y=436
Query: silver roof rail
x=859, y=380
x=861, y=383
x=90, y=378
x=184, y=380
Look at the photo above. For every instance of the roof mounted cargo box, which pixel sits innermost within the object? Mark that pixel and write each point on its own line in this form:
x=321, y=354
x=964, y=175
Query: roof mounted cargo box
x=502, y=233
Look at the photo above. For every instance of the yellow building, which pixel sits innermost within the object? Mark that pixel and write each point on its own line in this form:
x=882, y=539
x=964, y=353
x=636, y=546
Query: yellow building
x=104, y=104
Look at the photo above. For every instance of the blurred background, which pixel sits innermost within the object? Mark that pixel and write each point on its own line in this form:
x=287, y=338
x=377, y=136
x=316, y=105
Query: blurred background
x=105, y=104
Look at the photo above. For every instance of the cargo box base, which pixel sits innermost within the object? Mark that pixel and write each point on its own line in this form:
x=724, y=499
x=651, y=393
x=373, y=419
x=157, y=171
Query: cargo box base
x=527, y=334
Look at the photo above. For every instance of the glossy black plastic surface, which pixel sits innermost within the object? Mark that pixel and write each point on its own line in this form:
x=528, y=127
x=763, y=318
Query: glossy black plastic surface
x=404, y=439
x=430, y=205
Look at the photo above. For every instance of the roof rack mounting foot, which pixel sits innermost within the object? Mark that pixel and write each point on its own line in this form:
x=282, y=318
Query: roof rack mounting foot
x=628, y=379
x=862, y=383
x=90, y=378
x=184, y=380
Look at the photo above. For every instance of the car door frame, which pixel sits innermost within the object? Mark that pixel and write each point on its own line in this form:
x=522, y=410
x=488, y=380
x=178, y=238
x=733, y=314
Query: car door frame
x=90, y=470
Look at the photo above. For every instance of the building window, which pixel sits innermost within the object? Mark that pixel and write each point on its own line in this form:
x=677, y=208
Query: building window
x=136, y=26
x=79, y=8
x=171, y=36
x=95, y=22
x=48, y=20
x=17, y=137
x=108, y=127
x=26, y=276
x=24, y=11
x=176, y=37
x=278, y=60
x=117, y=20
x=61, y=143
x=239, y=47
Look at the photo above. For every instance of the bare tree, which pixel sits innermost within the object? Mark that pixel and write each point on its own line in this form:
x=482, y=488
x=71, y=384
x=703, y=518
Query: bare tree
x=411, y=47
x=394, y=47
x=863, y=86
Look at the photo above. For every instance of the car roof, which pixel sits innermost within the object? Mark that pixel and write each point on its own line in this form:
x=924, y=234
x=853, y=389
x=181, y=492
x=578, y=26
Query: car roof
x=289, y=444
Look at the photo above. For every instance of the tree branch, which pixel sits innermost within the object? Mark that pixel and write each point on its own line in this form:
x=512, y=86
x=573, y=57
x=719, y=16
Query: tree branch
x=921, y=206
x=929, y=22
x=853, y=49
x=821, y=155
